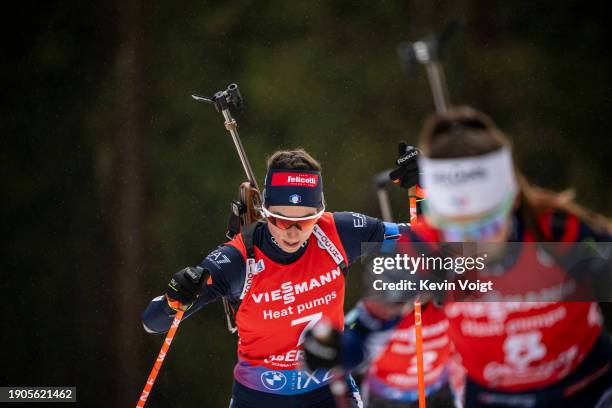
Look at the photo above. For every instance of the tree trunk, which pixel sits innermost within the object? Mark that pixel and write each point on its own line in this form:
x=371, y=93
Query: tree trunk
x=129, y=375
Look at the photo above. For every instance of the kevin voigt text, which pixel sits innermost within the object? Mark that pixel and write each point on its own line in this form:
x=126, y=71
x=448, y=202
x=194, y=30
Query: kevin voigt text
x=428, y=285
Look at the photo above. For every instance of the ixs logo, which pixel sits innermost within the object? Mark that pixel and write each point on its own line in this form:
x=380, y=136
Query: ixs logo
x=306, y=379
x=273, y=380
x=288, y=290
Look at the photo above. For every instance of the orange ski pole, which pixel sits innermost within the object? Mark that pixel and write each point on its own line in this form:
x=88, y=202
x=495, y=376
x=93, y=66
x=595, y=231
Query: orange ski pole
x=418, y=324
x=160, y=359
x=419, y=351
x=412, y=204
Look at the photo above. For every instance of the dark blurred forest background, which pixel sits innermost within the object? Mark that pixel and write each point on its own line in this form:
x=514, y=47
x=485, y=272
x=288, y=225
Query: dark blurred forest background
x=114, y=178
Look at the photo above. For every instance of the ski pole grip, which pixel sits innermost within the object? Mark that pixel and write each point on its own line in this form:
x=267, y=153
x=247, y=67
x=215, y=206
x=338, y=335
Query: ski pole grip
x=194, y=272
x=198, y=272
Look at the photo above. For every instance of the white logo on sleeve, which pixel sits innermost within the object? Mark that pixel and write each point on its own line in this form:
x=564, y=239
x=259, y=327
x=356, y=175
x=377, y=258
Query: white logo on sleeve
x=359, y=220
x=218, y=258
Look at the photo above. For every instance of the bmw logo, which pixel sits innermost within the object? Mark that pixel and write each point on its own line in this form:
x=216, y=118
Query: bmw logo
x=273, y=380
x=295, y=198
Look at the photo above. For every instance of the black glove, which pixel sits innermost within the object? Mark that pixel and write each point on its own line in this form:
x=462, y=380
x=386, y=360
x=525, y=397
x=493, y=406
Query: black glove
x=407, y=172
x=322, y=347
x=186, y=284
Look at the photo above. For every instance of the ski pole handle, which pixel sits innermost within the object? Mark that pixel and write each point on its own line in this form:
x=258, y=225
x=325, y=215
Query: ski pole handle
x=160, y=359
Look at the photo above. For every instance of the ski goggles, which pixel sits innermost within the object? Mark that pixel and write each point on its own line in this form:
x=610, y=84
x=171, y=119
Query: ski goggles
x=285, y=223
x=482, y=229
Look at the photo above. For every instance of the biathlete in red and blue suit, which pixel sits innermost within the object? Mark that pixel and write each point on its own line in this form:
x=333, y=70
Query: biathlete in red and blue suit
x=391, y=377
x=281, y=276
x=526, y=349
x=530, y=350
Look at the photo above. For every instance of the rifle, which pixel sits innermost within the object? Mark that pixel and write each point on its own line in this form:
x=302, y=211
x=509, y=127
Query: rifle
x=247, y=208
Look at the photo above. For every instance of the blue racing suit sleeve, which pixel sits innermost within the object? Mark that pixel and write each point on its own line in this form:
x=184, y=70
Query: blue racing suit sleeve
x=226, y=267
x=355, y=229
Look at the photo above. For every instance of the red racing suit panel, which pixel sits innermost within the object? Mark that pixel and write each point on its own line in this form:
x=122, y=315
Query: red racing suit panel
x=396, y=365
x=281, y=301
x=520, y=345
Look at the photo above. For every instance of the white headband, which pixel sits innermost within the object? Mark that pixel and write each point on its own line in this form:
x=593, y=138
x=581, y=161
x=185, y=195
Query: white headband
x=468, y=186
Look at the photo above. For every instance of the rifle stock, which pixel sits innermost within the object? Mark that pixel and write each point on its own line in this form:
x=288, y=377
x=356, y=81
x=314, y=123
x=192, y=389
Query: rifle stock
x=250, y=197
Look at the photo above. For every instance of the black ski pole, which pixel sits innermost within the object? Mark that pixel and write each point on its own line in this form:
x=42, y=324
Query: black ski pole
x=427, y=52
x=381, y=180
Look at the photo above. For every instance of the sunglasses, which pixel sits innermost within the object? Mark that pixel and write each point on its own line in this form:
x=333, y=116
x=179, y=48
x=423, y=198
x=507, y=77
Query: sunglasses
x=285, y=223
x=482, y=229
x=479, y=231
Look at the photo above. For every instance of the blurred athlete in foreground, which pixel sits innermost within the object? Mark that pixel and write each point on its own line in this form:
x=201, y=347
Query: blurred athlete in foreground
x=389, y=360
x=390, y=380
x=281, y=276
x=516, y=354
